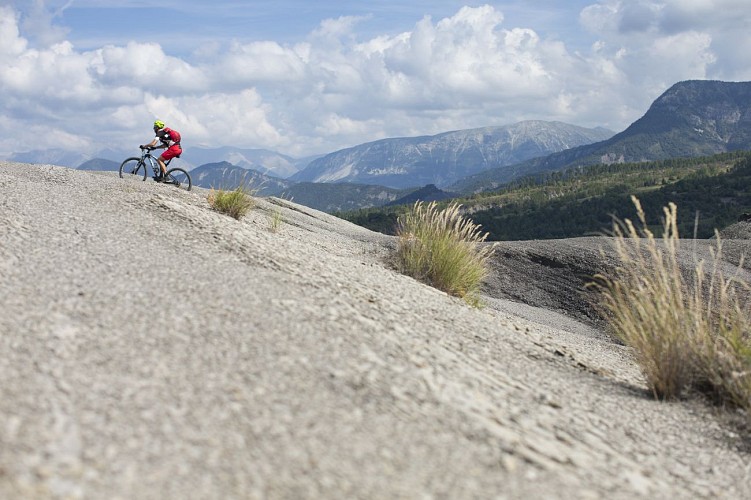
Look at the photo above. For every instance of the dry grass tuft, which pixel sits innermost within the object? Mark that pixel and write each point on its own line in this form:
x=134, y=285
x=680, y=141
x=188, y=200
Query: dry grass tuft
x=235, y=203
x=443, y=249
x=689, y=329
x=275, y=220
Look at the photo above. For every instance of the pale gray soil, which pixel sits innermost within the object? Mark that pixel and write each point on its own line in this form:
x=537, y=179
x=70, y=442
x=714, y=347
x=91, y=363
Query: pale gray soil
x=153, y=348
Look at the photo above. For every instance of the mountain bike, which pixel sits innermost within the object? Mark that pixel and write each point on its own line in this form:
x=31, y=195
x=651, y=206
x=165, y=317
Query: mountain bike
x=138, y=167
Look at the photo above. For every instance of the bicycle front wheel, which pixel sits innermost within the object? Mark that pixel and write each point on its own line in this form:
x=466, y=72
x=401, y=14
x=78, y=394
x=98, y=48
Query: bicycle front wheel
x=178, y=177
x=133, y=167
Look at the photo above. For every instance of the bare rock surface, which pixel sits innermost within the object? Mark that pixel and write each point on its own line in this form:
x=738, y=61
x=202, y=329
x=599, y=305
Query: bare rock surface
x=153, y=348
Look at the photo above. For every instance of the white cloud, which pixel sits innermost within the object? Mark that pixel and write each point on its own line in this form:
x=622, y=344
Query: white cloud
x=11, y=43
x=335, y=89
x=145, y=65
x=655, y=43
x=57, y=75
x=39, y=23
x=333, y=30
x=259, y=62
x=220, y=119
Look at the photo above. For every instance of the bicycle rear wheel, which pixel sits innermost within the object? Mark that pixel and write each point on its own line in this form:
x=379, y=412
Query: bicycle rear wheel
x=133, y=167
x=178, y=177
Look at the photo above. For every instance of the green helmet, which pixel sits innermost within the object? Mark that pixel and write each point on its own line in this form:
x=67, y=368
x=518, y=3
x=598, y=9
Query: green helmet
x=159, y=124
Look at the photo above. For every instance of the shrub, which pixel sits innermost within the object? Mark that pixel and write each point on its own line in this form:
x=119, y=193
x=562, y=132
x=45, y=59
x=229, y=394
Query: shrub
x=443, y=249
x=688, y=328
x=235, y=203
x=724, y=352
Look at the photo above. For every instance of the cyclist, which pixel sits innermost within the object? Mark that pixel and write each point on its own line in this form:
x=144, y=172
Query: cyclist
x=170, y=140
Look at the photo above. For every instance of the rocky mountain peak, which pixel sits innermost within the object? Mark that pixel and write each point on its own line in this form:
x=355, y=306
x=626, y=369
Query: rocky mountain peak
x=719, y=111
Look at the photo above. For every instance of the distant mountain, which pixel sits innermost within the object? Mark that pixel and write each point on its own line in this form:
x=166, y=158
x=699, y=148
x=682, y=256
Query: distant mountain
x=341, y=197
x=692, y=118
x=445, y=158
x=428, y=193
x=100, y=164
x=261, y=160
x=301, y=163
x=58, y=157
x=324, y=197
x=224, y=175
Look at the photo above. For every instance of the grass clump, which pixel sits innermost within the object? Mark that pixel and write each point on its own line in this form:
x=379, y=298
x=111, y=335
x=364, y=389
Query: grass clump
x=689, y=328
x=443, y=249
x=235, y=202
x=275, y=220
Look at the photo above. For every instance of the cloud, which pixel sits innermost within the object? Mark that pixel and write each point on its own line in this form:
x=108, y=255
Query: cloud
x=11, y=42
x=335, y=88
x=664, y=17
x=657, y=43
x=214, y=119
x=39, y=23
x=145, y=66
x=259, y=62
x=714, y=16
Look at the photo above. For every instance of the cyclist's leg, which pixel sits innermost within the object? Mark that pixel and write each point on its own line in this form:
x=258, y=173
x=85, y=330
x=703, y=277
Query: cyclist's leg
x=162, y=166
x=169, y=153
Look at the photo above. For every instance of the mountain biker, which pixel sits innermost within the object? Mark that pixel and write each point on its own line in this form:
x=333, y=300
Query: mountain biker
x=170, y=139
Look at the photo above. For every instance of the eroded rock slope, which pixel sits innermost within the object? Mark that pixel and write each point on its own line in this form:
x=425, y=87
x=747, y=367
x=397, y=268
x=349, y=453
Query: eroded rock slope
x=153, y=348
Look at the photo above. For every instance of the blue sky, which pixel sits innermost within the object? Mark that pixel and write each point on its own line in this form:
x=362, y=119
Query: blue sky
x=304, y=77
x=288, y=21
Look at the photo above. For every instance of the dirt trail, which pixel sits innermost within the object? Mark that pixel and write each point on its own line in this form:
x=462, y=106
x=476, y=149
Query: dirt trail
x=152, y=348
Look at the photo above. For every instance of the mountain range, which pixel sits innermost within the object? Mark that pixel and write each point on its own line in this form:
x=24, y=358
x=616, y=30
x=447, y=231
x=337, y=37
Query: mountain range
x=225, y=175
x=264, y=171
x=445, y=158
x=690, y=119
x=261, y=160
x=398, y=163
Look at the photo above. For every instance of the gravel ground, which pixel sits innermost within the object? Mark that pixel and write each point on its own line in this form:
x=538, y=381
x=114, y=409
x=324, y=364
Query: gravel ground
x=153, y=348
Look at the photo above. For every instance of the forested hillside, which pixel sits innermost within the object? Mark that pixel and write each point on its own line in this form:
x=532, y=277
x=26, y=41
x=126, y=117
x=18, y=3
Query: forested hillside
x=582, y=201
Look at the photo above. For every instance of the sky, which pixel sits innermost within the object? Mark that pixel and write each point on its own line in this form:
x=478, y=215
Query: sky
x=305, y=77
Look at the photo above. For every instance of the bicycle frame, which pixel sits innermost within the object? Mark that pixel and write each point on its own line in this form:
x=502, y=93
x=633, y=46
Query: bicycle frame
x=150, y=159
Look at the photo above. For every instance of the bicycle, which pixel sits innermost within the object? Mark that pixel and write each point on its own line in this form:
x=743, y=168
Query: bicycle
x=138, y=166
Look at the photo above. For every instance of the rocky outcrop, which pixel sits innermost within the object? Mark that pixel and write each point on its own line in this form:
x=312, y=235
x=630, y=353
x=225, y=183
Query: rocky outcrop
x=153, y=348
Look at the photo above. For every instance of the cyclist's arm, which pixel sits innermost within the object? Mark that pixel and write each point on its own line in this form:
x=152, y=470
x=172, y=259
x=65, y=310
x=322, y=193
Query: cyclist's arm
x=160, y=138
x=153, y=145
